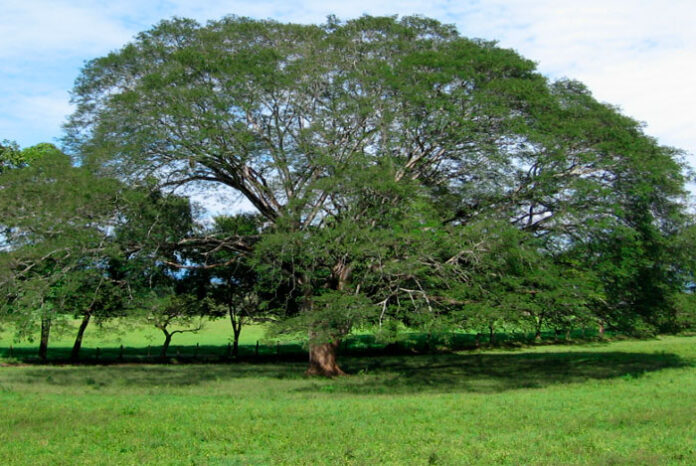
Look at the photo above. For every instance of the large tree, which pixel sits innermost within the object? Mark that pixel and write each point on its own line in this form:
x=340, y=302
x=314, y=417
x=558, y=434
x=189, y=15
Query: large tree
x=337, y=132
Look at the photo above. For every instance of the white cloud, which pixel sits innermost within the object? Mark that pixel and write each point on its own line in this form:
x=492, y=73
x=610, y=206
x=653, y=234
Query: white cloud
x=657, y=93
x=23, y=116
x=44, y=29
x=637, y=54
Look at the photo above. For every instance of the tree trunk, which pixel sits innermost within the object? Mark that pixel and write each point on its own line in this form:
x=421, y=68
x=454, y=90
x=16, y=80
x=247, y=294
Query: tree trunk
x=165, y=346
x=237, y=330
x=601, y=330
x=539, y=324
x=75, y=354
x=45, y=333
x=235, y=344
x=491, y=335
x=322, y=356
x=322, y=360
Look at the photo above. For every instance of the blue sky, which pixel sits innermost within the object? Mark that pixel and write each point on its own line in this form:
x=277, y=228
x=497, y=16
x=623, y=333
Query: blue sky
x=637, y=54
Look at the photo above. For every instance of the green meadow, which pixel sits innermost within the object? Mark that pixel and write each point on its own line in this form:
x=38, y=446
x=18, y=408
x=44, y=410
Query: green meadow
x=216, y=332
x=625, y=402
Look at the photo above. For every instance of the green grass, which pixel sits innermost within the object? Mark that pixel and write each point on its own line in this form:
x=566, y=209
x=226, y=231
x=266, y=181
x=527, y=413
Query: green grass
x=139, y=341
x=215, y=332
x=142, y=343
x=624, y=402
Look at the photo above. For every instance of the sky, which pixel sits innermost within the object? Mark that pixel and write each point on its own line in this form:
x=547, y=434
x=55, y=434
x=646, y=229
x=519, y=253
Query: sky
x=639, y=55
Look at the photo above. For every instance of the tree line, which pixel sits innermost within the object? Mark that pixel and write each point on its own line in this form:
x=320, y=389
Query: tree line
x=401, y=175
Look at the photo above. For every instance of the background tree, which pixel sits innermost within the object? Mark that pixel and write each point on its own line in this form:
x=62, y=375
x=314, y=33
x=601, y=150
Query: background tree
x=10, y=156
x=232, y=286
x=77, y=245
x=173, y=313
x=57, y=219
x=96, y=292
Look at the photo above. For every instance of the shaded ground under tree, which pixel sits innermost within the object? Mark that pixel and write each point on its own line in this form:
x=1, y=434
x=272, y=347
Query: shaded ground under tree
x=270, y=351
x=473, y=373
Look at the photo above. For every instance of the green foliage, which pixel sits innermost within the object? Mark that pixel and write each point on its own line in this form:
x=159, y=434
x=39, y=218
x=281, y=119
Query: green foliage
x=402, y=175
x=165, y=309
x=79, y=245
x=56, y=220
x=511, y=281
x=10, y=156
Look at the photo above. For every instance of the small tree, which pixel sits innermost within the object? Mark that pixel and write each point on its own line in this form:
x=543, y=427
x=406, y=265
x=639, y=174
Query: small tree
x=96, y=293
x=240, y=303
x=174, y=313
x=233, y=284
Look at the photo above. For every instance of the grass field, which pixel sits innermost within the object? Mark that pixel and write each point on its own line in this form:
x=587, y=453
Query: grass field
x=216, y=332
x=142, y=343
x=138, y=340
x=616, y=403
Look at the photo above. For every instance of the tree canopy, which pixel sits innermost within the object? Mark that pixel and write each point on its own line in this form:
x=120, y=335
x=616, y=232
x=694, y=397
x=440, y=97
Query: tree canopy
x=389, y=157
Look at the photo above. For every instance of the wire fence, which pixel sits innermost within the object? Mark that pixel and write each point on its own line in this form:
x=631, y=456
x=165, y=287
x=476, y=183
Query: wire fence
x=262, y=351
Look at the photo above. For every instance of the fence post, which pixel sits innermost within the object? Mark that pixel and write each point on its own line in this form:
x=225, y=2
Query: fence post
x=120, y=354
x=257, y=348
x=11, y=351
x=148, y=351
x=195, y=353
